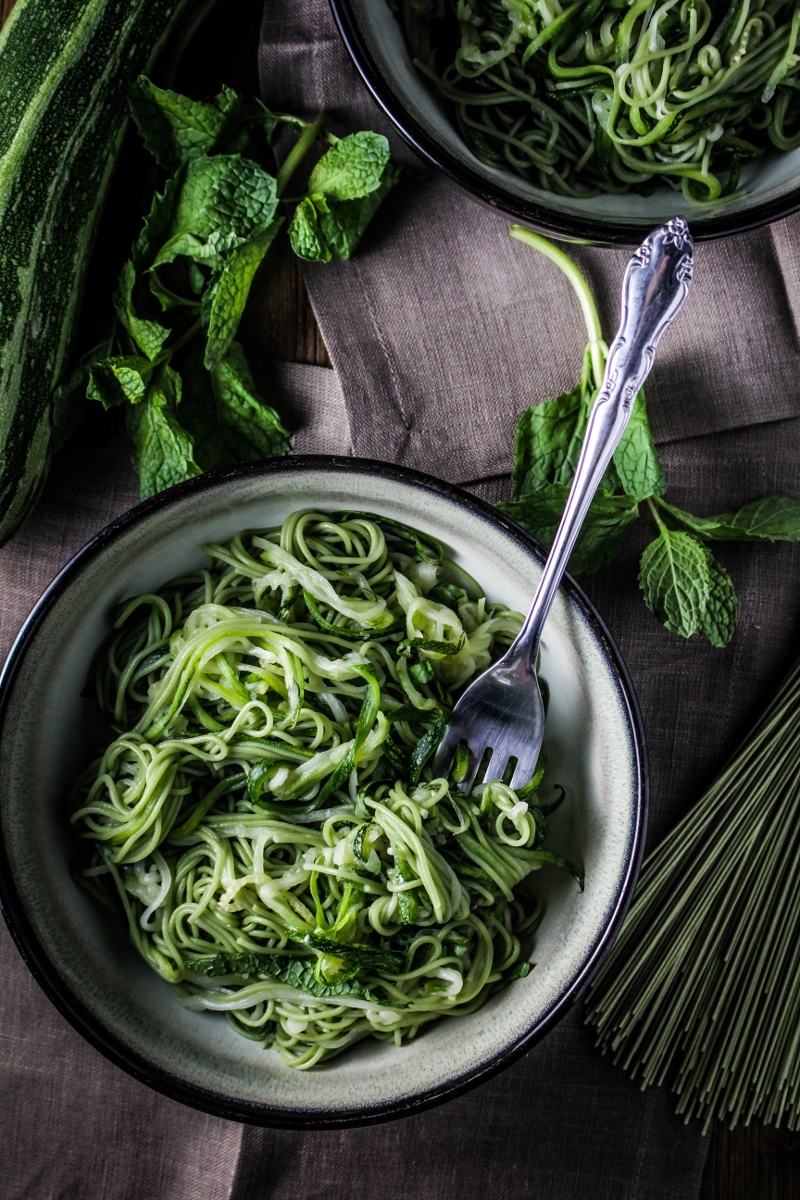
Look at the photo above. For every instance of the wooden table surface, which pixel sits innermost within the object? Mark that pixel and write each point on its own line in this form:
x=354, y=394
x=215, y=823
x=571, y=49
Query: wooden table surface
x=752, y=1163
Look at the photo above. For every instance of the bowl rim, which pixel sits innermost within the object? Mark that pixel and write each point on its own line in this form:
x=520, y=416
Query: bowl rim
x=206, y=1100
x=595, y=231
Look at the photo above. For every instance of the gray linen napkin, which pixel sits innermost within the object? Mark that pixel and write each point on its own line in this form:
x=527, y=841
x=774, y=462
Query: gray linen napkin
x=441, y=330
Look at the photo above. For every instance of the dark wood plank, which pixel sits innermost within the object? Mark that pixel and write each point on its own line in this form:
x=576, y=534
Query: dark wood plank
x=752, y=1163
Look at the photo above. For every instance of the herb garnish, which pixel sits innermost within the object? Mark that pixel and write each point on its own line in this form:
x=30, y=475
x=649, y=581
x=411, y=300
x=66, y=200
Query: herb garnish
x=294, y=972
x=171, y=359
x=682, y=583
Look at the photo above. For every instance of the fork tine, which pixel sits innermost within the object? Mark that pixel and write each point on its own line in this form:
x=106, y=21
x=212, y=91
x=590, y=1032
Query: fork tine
x=445, y=753
x=496, y=766
x=473, y=762
x=525, y=768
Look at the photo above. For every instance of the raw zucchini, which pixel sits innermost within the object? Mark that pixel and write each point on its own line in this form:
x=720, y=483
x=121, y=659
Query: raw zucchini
x=65, y=70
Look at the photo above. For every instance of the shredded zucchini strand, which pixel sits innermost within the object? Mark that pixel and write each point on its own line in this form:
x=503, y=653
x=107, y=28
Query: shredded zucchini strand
x=266, y=817
x=615, y=95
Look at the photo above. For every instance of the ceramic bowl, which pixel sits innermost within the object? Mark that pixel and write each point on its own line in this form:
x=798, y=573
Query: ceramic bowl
x=48, y=727
x=374, y=38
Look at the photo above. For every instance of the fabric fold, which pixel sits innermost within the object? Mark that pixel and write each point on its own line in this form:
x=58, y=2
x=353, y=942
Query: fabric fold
x=456, y=328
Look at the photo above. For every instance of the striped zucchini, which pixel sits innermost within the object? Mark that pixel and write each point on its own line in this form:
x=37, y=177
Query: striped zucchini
x=65, y=70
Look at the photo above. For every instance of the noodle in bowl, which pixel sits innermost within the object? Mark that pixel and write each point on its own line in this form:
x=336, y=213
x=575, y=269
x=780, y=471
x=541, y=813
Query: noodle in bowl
x=769, y=186
x=50, y=728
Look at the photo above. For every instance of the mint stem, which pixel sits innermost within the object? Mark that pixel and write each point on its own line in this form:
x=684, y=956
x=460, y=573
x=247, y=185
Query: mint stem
x=597, y=347
x=299, y=151
x=167, y=354
x=654, y=514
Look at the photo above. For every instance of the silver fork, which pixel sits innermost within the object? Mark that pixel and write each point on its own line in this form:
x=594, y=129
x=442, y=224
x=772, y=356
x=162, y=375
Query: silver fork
x=502, y=710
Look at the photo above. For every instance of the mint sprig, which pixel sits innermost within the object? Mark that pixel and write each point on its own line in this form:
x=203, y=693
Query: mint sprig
x=176, y=129
x=681, y=581
x=610, y=514
x=344, y=191
x=172, y=359
x=675, y=578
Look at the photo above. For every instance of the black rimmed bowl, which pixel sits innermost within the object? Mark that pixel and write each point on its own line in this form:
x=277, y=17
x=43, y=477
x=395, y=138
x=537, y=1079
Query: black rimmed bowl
x=375, y=41
x=48, y=726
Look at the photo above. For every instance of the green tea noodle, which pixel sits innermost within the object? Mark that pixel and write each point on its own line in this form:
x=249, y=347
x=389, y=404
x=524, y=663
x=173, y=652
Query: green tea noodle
x=266, y=815
x=615, y=95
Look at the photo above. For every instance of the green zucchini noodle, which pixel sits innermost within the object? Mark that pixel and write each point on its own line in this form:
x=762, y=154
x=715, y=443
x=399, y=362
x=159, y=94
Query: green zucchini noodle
x=615, y=95
x=266, y=817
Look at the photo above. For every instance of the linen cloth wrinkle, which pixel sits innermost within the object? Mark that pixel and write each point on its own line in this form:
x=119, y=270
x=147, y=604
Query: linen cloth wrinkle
x=446, y=283
x=787, y=257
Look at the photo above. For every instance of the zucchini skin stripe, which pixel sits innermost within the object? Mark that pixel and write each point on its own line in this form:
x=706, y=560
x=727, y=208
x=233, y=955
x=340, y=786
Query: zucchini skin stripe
x=66, y=67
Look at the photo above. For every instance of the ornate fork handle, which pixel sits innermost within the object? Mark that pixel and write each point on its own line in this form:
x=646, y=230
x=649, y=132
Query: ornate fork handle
x=655, y=286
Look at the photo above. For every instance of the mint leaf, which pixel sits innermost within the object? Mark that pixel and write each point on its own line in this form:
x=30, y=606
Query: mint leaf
x=773, y=519
x=345, y=190
x=344, y=223
x=294, y=972
x=548, y=442
x=119, y=379
x=352, y=168
x=226, y=295
x=676, y=581
x=722, y=611
x=252, y=429
x=227, y=418
x=237, y=963
x=69, y=397
x=162, y=449
x=540, y=511
x=636, y=458
x=149, y=336
x=223, y=202
x=195, y=276
x=176, y=129
x=364, y=958
x=250, y=126
x=199, y=416
x=157, y=225
x=305, y=235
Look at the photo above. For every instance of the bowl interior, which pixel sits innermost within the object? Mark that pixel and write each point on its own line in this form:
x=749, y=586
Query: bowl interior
x=769, y=182
x=50, y=730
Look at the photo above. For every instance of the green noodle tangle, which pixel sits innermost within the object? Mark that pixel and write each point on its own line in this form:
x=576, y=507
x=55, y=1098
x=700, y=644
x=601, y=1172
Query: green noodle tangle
x=266, y=815
x=615, y=95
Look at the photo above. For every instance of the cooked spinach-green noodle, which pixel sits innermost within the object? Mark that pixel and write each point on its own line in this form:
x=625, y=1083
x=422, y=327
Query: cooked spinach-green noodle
x=615, y=95
x=266, y=815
